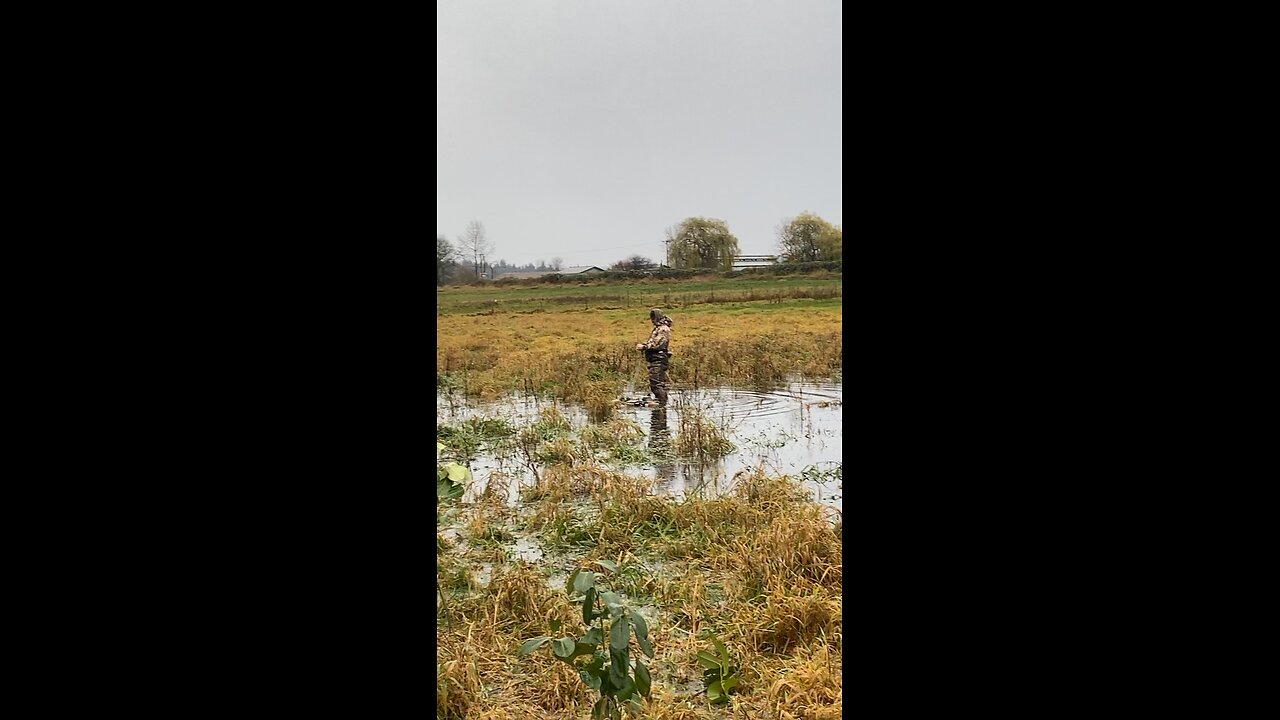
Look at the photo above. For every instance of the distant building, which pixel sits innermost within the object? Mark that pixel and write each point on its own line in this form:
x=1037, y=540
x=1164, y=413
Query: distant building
x=521, y=275
x=741, y=262
x=574, y=270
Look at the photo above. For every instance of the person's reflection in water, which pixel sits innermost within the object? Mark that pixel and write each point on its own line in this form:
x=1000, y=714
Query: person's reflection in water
x=660, y=448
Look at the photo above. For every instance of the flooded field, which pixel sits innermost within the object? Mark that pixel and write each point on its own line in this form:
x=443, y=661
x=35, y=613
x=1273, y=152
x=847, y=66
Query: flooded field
x=793, y=429
x=715, y=524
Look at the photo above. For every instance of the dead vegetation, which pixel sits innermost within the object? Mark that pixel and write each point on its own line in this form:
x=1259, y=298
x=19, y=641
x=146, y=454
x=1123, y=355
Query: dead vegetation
x=760, y=567
x=589, y=358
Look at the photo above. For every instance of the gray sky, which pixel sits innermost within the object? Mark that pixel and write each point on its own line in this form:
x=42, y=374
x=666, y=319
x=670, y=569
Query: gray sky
x=584, y=128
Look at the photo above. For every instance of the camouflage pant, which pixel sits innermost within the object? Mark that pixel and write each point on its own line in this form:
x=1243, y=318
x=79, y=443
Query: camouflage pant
x=658, y=379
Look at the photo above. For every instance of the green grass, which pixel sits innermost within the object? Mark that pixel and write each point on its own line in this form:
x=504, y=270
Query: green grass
x=763, y=308
x=763, y=289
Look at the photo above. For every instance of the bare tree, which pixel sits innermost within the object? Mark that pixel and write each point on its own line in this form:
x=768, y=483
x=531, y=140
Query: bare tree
x=475, y=244
x=446, y=258
x=667, y=241
x=556, y=263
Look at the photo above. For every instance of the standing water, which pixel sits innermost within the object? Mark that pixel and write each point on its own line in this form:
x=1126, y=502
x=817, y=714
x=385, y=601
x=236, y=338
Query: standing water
x=792, y=430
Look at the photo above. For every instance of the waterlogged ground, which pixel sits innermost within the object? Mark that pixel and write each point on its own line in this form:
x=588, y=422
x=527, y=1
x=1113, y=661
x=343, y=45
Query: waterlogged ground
x=794, y=430
x=758, y=567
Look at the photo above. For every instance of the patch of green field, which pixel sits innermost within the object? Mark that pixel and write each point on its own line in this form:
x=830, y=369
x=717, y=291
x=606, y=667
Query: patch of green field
x=589, y=295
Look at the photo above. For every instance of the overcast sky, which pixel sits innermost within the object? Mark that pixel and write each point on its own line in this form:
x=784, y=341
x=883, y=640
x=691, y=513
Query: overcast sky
x=584, y=128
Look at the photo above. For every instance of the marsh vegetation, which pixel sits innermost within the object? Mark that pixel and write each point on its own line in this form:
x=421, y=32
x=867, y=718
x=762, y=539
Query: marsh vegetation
x=678, y=563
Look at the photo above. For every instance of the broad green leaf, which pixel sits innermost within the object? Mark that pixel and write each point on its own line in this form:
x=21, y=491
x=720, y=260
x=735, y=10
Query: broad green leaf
x=634, y=707
x=583, y=580
x=619, y=634
x=618, y=667
x=446, y=490
x=555, y=625
x=645, y=647
x=592, y=681
x=724, y=654
x=458, y=473
x=637, y=622
x=588, y=606
x=643, y=681
x=595, y=636
x=626, y=690
x=439, y=448
x=707, y=660
x=728, y=683
x=597, y=710
x=563, y=647
x=582, y=648
x=596, y=664
x=609, y=565
x=534, y=644
x=715, y=694
x=611, y=599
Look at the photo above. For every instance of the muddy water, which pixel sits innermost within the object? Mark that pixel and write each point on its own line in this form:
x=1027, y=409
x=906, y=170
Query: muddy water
x=793, y=429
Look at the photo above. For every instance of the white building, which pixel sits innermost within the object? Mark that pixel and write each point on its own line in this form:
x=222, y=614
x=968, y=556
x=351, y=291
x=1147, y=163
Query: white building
x=741, y=262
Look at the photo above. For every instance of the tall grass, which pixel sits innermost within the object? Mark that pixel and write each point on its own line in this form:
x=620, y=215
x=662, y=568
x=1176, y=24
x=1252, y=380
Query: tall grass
x=589, y=357
x=701, y=438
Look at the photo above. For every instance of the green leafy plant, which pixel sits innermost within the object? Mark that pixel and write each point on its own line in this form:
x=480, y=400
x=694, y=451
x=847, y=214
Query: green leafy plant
x=718, y=671
x=451, y=479
x=451, y=484
x=603, y=667
x=811, y=473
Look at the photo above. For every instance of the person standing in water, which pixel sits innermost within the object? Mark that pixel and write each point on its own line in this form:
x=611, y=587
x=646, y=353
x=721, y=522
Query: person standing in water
x=657, y=352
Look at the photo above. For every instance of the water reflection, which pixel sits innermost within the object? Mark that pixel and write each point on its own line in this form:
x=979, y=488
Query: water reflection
x=785, y=430
x=660, y=448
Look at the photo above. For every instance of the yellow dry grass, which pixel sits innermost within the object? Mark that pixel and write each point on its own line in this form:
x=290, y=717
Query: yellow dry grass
x=588, y=356
x=761, y=568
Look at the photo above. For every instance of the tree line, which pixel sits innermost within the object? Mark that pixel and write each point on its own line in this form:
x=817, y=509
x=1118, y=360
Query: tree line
x=696, y=243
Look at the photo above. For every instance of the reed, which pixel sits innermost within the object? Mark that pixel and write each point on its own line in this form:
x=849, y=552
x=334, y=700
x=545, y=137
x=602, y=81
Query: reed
x=700, y=437
x=588, y=357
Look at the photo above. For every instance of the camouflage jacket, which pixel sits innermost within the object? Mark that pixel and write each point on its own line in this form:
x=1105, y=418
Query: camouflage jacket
x=659, y=339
